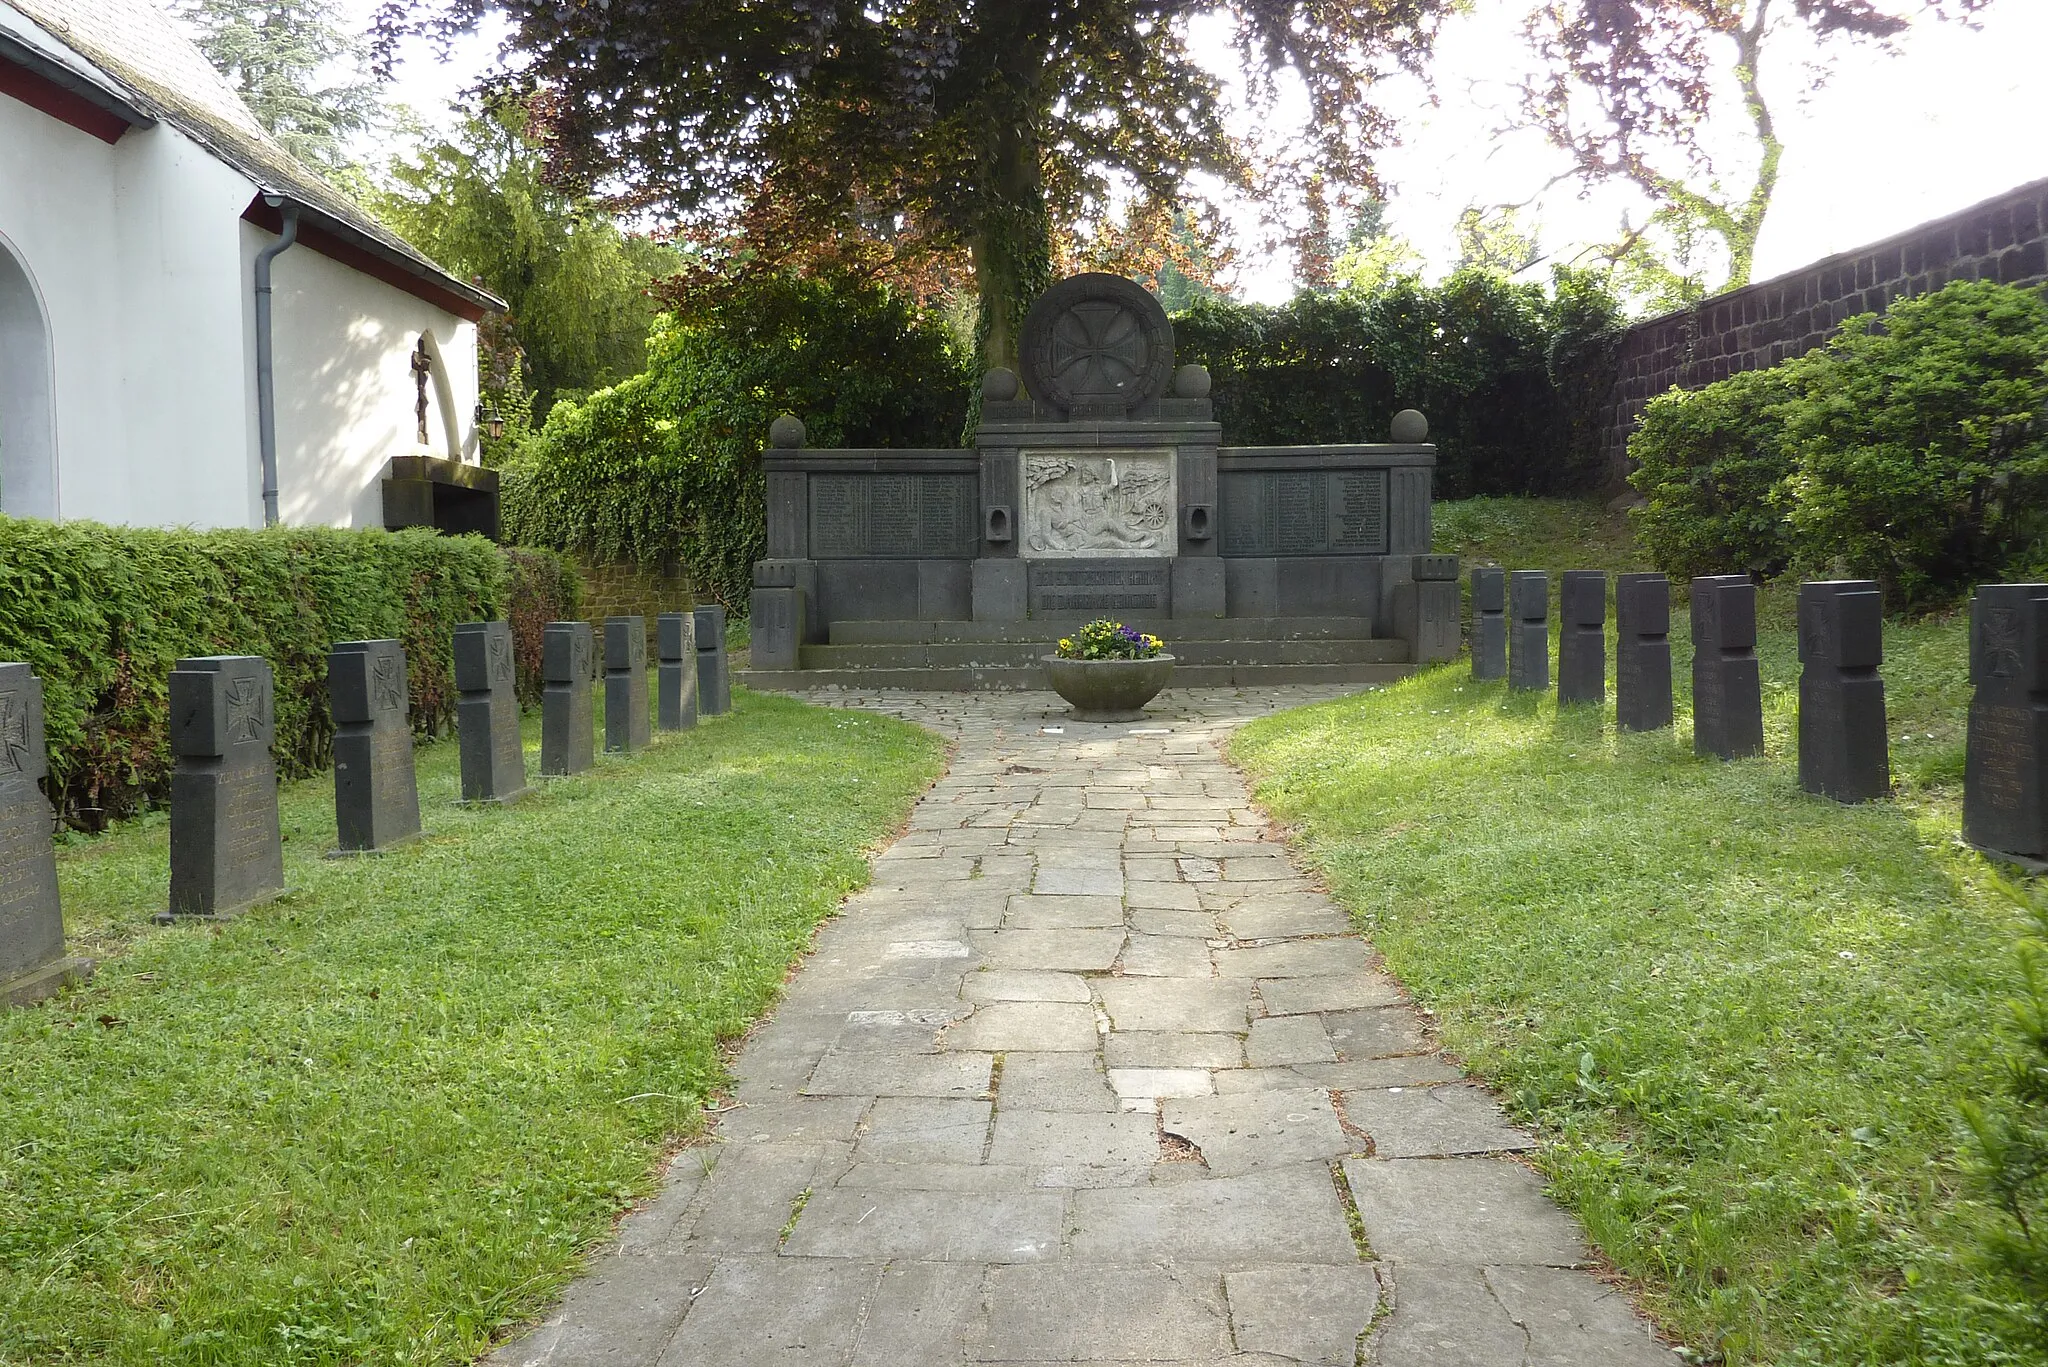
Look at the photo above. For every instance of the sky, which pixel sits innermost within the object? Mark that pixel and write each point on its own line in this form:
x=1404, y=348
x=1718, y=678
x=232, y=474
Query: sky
x=1889, y=141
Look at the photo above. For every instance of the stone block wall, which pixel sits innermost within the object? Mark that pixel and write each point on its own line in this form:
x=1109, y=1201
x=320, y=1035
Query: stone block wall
x=2003, y=239
x=611, y=589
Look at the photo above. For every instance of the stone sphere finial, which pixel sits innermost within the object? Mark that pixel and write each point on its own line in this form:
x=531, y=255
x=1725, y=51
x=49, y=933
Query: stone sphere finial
x=1410, y=427
x=1191, y=382
x=787, y=431
x=999, y=385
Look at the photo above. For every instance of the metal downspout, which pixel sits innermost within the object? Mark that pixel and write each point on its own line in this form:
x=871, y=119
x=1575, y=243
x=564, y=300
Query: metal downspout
x=266, y=382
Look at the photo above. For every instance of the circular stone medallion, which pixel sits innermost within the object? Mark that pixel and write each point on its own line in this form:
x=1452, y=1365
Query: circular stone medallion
x=1097, y=342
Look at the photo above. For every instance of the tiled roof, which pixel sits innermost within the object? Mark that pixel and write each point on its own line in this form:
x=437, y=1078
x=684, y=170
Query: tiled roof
x=163, y=72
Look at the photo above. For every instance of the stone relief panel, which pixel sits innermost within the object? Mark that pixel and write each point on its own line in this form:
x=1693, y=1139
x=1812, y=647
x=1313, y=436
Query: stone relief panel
x=1099, y=503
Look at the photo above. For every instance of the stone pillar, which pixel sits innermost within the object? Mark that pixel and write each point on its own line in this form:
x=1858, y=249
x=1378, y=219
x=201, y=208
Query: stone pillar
x=1529, y=630
x=568, y=717
x=1843, y=751
x=2005, y=777
x=1727, y=694
x=227, y=851
x=376, y=796
x=487, y=713
x=714, y=684
x=1489, y=623
x=1642, y=665
x=778, y=627
x=32, y=962
x=1582, y=638
x=676, y=678
x=625, y=684
x=1425, y=609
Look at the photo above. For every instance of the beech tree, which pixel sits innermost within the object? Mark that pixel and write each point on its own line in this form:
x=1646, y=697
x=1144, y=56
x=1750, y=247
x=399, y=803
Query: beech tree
x=1633, y=87
x=922, y=125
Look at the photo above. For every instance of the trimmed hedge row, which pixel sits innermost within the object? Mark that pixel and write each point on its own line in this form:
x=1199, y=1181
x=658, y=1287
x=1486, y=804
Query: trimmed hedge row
x=102, y=613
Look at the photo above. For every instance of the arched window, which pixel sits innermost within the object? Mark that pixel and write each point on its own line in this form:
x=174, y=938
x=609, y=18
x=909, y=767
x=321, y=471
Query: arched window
x=28, y=414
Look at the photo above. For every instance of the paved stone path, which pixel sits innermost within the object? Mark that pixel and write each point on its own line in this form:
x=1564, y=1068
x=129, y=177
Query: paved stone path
x=1092, y=1074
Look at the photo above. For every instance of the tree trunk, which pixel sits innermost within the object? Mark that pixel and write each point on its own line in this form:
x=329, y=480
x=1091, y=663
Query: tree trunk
x=1012, y=247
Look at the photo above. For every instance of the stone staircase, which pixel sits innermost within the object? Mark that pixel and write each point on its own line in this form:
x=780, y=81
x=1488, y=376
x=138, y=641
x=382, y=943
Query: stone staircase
x=1245, y=652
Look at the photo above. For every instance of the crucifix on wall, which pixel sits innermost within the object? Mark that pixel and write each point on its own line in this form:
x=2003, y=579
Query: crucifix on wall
x=422, y=367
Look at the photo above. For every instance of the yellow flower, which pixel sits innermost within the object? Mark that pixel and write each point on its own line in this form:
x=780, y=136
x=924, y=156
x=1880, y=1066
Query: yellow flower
x=1066, y=643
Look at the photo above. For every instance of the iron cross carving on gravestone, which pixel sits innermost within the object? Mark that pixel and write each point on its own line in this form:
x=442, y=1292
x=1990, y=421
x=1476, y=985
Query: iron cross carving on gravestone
x=384, y=683
x=15, y=744
x=245, y=710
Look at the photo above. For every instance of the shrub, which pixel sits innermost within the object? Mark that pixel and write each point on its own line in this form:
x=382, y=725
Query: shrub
x=664, y=469
x=1920, y=444
x=1709, y=462
x=1510, y=375
x=102, y=613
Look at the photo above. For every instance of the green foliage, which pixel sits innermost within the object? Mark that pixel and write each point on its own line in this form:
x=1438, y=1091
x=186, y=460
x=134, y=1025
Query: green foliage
x=2011, y=1134
x=665, y=468
x=1103, y=639
x=386, y=1121
x=1509, y=375
x=275, y=53
x=103, y=613
x=1911, y=449
x=577, y=286
x=1708, y=461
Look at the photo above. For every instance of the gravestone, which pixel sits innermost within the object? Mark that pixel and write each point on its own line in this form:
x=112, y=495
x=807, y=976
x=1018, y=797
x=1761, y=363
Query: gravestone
x=376, y=797
x=1489, y=623
x=625, y=684
x=676, y=677
x=1529, y=630
x=1642, y=663
x=1727, y=693
x=227, y=850
x=2005, y=777
x=32, y=962
x=714, y=685
x=487, y=713
x=1582, y=638
x=568, y=714
x=1426, y=608
x=1843, y=752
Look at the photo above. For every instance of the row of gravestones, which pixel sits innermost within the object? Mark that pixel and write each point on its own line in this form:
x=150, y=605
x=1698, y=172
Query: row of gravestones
x=1843, y=750
x=227, y=850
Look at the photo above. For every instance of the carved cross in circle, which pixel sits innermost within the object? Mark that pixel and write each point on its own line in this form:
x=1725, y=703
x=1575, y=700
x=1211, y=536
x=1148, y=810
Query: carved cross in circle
x=14, y=737
x=1104, y=341
x=245, y=711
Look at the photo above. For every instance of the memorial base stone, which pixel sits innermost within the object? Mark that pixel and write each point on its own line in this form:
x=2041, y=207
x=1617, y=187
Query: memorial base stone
x=1197, y=588
x=1001, y=590
x=777, y=627
x=43, y=983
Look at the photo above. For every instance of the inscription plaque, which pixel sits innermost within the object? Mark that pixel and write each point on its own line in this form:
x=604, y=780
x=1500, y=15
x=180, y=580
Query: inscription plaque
x=2005, y=774
x=376, y=795
x=625, y=684
x=1099, y=503
x=1303, y=512
x=1101, y=586
x=895, y=517
x=568, y=714
x=487, y=713
x=227, y=851
x=676, y=677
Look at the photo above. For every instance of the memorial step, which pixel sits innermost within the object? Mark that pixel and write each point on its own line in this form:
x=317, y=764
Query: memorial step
x=992, y=654
x=1040, y=629
x=977, y=678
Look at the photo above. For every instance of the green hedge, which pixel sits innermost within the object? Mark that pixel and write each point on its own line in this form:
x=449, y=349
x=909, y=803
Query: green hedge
x=1510, y=375
x=102, y=613
x=1911, y=449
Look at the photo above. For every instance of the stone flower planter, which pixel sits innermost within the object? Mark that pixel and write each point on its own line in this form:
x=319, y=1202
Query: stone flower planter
x=1108, y=690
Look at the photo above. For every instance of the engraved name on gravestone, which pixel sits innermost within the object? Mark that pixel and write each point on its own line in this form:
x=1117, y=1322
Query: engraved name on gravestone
x=1489, y=623
x=2005, y=777
x=1303, y=512
x=487, y=713
x=32, y=962
x=1529, y=629
x=1843, y=752
x=625, y=684
x=1096, y=345
x=1582, y=637
x=1642, y=665
x=568, y=714
x=376, y=795
x=227, y=851
x=676, y=676
x=1099, y=503
x=714, y=684
x=1727, y=691
x=1100, y=586
x=899, y=517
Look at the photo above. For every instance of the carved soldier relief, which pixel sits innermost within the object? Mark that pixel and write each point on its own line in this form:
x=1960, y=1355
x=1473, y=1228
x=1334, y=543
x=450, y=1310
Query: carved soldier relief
x=1092, y=503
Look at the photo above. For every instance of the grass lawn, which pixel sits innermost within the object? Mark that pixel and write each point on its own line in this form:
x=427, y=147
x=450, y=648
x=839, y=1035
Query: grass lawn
x=380, y=1119
x=1742, y=1017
